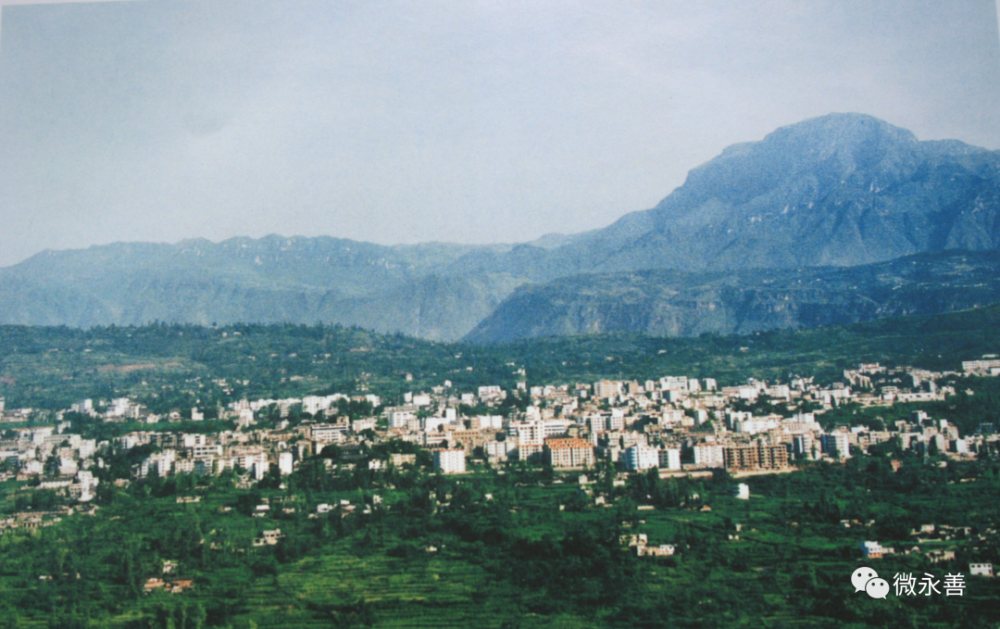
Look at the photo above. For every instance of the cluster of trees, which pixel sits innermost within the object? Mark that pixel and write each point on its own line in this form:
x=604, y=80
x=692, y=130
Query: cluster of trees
x=541, y=559
x=174, y=367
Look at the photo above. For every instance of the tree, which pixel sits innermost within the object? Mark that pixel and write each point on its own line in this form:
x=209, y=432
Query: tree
x=51, y=467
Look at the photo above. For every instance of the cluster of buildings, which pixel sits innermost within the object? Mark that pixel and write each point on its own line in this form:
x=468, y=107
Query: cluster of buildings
x=940, y=539
x=675, y=424
x=678, y=424
x=639, y=544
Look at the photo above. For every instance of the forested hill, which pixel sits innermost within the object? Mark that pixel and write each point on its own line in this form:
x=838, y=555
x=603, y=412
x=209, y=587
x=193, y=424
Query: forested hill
x=176, y=367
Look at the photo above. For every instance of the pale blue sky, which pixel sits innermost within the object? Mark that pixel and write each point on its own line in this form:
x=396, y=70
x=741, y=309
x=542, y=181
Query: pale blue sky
x=401, y=122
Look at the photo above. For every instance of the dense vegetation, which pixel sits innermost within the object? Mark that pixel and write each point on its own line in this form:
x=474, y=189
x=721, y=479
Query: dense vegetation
x=176, y=367
x=506, y=550
x=516, y=547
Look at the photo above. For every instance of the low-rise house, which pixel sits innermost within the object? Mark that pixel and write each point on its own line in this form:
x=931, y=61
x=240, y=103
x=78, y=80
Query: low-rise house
x=663, y=550
x=874, y=550
x=174, y=587
x=981, y=569
x=936, y=556
x=268, y=538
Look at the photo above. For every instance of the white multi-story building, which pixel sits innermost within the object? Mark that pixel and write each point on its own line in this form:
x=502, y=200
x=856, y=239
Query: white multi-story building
x=674, y=383
x=802, y=445
x=421, y=399
x=569, y=453
x=597, y=424
x=670, y=459
x=252, y=459
x=529, y=433
x=779, y=392
x=671, y=417
x=675, y=395
x=616, y=421
x=434, y=424
x=449, y=461
x=490, y=393
x=641, y=457
x=837, y=444
x=87, y=485
x=607, y=389
x=184, y=466
x=204, y=451
x=980, y=366
x=246, y=418
x=499, y=450
x=735, y=417
x=755, y=425
x=834, y=395
x=313, y=404
x=710, y=455
x=329, y=433
x=190, y=441
x=84, y=407
x=488, y=422
x=286, y=463
x=555, y=427
x=161, y=464
x=86, y=448
x=399, y=417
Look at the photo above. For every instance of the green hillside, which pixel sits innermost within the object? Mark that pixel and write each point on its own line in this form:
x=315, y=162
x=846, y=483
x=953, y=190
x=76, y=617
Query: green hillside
x=177, y=367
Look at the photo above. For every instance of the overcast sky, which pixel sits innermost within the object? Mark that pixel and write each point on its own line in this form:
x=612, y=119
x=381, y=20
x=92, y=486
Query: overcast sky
x=401, y=122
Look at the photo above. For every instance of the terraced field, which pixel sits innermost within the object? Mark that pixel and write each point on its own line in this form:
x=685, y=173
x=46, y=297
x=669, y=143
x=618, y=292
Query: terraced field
x=438, y=591
x=514, y=559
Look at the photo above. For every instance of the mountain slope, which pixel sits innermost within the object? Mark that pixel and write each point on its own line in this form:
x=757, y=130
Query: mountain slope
x=837, y=191
x=840, y=190
x=270, y=280
x=672, y=303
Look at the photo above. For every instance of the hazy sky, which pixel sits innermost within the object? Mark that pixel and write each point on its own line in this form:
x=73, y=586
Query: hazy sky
x=400, y=122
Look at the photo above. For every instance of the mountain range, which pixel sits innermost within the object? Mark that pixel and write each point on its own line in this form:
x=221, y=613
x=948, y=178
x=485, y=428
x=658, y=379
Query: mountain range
x=836, y=219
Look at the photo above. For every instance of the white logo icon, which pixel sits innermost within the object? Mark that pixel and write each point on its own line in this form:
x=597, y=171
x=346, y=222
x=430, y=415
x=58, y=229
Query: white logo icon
x=877, y=588
x=861, y=577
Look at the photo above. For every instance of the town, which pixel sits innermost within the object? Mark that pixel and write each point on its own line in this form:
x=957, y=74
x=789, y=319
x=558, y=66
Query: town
x=205, y=475
x=677, y=425
x=674, y=424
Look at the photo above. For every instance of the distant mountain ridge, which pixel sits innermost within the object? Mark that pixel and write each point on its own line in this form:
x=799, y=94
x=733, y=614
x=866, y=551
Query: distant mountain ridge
x=268, y=280
x=842, y=190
